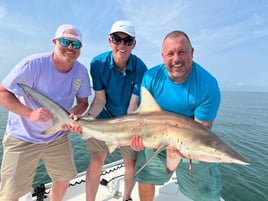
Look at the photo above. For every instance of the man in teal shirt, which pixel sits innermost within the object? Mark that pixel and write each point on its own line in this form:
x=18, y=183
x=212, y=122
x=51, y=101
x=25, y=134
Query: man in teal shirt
x=182, y=86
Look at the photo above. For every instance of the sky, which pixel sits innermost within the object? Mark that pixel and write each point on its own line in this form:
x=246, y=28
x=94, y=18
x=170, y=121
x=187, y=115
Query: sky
x=230, y=37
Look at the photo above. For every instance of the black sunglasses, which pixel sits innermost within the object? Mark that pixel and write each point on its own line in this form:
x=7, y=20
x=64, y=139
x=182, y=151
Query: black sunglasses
x=128, y=41
x=65, y=43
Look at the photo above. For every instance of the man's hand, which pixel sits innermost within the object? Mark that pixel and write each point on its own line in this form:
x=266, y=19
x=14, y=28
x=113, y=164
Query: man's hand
x=136, y=143
x=41, y=114
x=73, y=127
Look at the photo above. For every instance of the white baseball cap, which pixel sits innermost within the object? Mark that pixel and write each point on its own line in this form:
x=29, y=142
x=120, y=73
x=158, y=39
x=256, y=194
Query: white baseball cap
x=62, y=28
x=123, y=26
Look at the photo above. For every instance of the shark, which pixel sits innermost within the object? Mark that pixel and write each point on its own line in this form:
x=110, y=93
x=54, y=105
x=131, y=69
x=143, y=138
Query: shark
x=180, y=136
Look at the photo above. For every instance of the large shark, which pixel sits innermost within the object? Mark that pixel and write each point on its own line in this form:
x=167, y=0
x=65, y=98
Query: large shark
x=182, y=137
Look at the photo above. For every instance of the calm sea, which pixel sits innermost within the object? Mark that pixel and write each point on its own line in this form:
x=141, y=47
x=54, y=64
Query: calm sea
x=242, y=122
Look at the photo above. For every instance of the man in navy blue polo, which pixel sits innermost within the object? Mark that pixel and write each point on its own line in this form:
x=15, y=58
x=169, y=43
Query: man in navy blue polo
x=116, y=77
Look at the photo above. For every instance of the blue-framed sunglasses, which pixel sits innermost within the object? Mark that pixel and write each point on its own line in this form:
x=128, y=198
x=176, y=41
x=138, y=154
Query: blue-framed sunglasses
x=65, y=43
x=128, y=41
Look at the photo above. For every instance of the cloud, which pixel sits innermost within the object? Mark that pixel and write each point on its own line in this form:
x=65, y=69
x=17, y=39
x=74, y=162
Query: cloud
x=2, y=12
x=230, y=37
x=148, y=20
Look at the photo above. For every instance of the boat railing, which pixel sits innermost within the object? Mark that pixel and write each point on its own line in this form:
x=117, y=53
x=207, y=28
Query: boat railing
x=40, y=193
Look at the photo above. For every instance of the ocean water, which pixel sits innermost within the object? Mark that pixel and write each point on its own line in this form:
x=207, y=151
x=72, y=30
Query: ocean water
x=241, y=122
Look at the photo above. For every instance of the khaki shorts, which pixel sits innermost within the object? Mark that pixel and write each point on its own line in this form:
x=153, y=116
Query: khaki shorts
x=95, y=145
x=20, y=161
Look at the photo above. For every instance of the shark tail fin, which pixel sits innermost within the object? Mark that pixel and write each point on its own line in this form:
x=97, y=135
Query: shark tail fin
x=111, y=146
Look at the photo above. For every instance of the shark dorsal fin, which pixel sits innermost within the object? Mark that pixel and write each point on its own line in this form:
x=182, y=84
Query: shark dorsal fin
x=148, y=103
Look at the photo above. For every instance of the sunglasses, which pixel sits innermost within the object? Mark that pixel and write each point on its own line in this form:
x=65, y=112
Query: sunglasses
x=65, y=43
x=128, y=41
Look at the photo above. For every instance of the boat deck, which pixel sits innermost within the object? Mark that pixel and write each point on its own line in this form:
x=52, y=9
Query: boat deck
x=113, y=191
x=112, y=175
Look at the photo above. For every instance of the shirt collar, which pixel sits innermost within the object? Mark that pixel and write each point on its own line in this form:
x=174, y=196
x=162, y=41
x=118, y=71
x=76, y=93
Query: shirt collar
x=129, y=67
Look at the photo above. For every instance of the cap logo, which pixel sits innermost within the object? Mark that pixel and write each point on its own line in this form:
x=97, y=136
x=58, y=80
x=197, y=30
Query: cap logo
x=123, y=26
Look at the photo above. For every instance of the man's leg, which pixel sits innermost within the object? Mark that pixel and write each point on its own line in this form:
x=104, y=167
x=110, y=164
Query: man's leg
x=60, y=166
x=146, y=192
x=129, y=177
x=19, y=163
x=93, y=174
x=58, y=190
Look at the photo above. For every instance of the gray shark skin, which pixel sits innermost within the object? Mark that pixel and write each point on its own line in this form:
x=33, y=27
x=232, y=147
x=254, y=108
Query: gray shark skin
x=182, y=137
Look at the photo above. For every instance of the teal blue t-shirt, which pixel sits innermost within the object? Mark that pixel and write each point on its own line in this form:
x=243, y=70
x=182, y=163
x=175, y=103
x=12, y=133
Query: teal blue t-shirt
x=199, y=96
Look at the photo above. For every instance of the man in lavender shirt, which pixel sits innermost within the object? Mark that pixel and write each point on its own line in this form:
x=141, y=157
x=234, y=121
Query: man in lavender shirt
x=59, y=76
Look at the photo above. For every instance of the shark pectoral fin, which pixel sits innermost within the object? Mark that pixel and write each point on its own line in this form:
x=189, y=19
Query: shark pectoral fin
x=149, y=160
x=111, y=146
x=173, y=159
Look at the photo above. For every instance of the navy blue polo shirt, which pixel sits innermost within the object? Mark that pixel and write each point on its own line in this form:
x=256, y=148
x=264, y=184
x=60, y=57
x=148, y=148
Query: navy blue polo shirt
x=118, y=86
